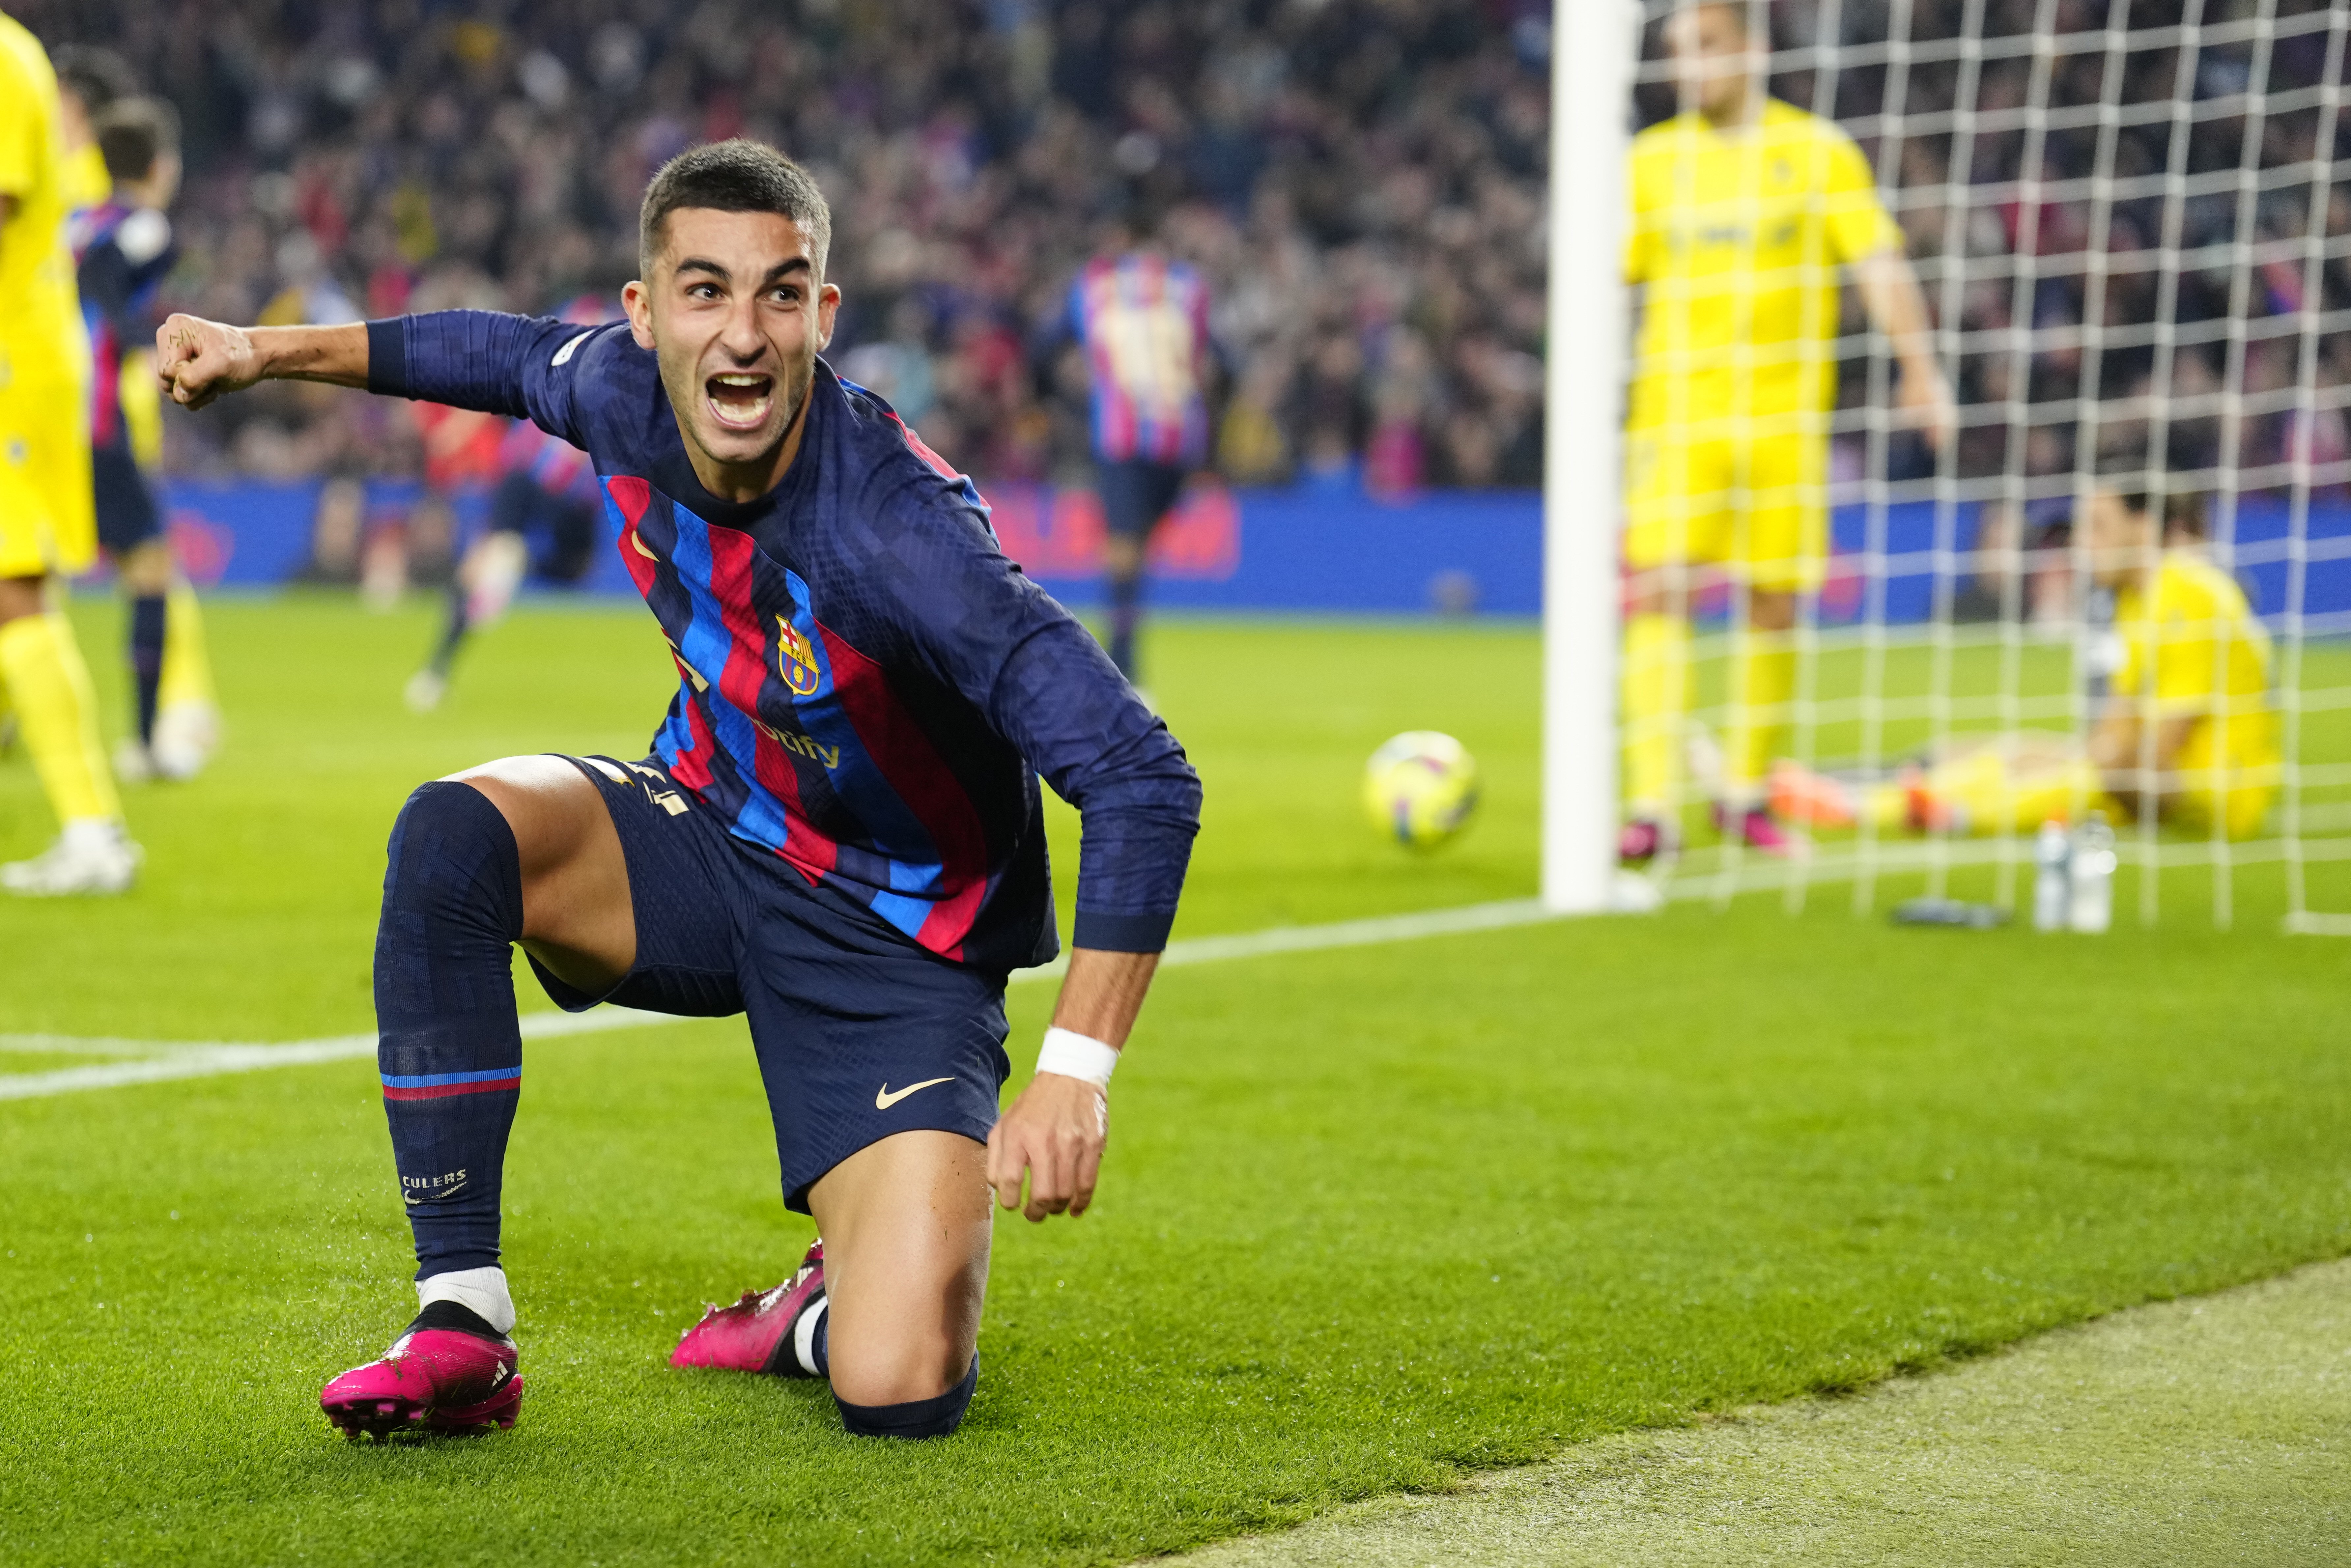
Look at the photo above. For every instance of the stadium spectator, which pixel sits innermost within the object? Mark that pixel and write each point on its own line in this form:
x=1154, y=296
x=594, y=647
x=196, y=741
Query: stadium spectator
x=1339, y=173
x=1359, y=186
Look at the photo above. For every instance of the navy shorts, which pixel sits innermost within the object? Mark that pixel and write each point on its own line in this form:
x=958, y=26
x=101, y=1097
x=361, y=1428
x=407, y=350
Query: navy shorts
x=859, y=1033
x=126, y=514
x=1136, y=494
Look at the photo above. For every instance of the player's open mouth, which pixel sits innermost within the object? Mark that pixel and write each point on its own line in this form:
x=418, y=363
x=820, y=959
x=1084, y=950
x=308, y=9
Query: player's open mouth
x=739, y=400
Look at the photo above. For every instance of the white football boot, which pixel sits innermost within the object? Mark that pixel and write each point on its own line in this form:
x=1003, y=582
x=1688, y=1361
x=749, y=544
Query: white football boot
x=186, y=736
x=94, y=855
x=134, y=763
x=425, y=690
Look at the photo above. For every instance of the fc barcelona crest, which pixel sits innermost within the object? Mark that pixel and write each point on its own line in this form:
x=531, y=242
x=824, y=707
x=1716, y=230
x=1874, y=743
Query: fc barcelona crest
x=795, y=661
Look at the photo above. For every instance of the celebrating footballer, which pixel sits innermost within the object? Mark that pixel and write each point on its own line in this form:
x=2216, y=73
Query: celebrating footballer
x=839, y=830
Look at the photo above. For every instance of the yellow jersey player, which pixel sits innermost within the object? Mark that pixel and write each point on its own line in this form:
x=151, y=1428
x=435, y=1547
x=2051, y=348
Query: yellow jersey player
x=1744, y=209
x=2187, y=731
x=46, y=520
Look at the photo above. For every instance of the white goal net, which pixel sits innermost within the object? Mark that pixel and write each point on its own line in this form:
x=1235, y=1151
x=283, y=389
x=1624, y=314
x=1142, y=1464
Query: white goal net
x=2129, y=222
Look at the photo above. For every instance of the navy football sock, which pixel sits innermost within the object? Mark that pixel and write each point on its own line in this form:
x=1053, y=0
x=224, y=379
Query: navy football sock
x=147, y=658
x=447, y=1045
x=445, y=652
x=933, y=1417
x=1126, y=615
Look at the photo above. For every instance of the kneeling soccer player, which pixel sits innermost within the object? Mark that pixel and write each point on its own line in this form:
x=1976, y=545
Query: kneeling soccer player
x=2188, y=731
x=839, y=831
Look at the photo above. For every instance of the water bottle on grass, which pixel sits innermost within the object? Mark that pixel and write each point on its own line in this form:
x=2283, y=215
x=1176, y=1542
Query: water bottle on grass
x=2092, y=900
x=2052, y=853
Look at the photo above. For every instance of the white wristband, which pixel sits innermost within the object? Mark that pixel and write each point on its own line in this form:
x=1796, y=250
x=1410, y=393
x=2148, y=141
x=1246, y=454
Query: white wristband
x=1075, y=1055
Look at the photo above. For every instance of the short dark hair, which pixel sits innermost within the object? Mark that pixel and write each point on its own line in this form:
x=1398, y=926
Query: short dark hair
x=736, y=176
x=132, y=134
x=2140, y=483
x=96, y=76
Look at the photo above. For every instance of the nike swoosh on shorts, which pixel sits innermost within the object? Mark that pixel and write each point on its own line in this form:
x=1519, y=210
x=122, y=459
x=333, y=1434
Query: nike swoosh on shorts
x=884, y=1098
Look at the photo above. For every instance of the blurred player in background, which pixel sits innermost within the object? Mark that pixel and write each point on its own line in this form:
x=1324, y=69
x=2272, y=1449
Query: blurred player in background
x=1743, y=208
x=47, y=529
x=1144, y=319
x=123, y=250
x=2188, y=732
x=547, y=484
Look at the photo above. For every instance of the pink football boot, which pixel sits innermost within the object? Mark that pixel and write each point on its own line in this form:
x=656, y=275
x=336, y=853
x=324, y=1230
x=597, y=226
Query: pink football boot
x=1754, y=828
x=432, y=1379
x=755, y=1334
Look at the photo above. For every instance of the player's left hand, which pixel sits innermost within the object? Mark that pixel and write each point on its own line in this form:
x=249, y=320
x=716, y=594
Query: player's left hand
x=1054, y=1135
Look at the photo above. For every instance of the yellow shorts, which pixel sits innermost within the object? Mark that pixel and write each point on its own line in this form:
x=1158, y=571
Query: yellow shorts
x=1756, y=505
x=47, y=520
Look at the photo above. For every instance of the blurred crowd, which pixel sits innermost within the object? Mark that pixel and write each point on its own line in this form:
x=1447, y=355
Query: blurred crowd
x=1360, y=180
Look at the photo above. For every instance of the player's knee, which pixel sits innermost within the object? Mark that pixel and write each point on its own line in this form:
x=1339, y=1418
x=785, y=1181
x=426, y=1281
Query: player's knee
x=934, y=1417
x=453, y=856
x=899, y=1364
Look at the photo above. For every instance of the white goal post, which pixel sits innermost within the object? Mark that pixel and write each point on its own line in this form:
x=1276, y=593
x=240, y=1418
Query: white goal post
x=1593, y=43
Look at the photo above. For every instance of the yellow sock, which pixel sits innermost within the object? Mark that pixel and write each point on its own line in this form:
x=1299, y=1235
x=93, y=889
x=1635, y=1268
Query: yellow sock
x=1656, y=695
x=1762, y=683
x=187, y=671
x=57, y=711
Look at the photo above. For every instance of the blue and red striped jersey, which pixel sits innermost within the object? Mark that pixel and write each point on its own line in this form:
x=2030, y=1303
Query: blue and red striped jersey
x=867, y=688
x=121, y=255
x=1144, y=323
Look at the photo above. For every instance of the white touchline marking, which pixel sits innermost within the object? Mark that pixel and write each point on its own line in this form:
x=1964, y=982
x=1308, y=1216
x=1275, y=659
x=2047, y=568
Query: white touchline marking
x=204, y=1058
x=1368, y=933
x=161, y=1060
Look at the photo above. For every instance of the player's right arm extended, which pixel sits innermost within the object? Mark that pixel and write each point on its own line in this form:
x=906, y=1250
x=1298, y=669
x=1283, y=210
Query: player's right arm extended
x=196, y=360
x=482, y=360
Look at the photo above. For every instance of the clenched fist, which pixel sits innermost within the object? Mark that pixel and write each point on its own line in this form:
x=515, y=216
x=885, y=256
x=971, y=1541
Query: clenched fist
x=196, y=359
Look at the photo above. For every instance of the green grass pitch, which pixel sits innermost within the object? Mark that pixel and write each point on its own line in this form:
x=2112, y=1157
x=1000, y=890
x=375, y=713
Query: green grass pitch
x=1370, y=1217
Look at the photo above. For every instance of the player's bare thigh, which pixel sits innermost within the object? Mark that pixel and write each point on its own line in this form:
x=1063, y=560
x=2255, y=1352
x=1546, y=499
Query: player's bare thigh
x=576, y=915
x=905, y=1227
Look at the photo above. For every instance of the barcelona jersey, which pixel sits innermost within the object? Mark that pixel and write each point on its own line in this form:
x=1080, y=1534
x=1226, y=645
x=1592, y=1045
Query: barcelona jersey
x=121, y=255
x=1144, y=323
x=867, y=689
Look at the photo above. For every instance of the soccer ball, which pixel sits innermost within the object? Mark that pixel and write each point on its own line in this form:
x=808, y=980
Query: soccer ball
x=1420, y=788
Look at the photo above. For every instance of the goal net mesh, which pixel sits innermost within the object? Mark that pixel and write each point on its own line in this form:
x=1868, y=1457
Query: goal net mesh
x=2131, y=223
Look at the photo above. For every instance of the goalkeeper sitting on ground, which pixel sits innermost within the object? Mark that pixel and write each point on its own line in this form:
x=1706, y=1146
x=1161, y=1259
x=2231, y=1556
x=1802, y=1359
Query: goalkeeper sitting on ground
x=2187, y=731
